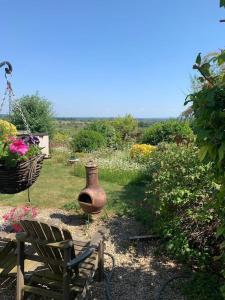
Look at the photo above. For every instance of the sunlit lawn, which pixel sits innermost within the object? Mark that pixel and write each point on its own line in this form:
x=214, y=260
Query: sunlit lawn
x=57, y=187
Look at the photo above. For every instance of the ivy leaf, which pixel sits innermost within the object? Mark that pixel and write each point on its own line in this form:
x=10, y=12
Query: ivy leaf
x=198, y=59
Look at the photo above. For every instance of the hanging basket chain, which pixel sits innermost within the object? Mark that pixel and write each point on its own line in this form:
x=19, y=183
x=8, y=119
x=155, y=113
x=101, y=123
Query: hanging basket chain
x=3, y=99
x=17, y=105
x=11, y=96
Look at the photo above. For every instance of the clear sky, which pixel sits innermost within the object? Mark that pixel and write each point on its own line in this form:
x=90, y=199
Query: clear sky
x=108, y=57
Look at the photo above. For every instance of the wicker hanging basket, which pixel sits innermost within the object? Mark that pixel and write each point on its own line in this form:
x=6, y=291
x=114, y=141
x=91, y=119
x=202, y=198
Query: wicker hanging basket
x=16, y=179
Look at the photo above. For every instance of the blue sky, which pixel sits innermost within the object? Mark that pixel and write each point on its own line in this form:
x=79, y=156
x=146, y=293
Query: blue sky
x=108, y=57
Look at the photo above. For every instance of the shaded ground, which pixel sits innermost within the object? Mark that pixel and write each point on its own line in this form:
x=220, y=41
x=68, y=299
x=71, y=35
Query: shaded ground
x=138, y=271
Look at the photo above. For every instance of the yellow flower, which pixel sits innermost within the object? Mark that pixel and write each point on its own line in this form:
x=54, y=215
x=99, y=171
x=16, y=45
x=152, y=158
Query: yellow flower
x=7, y=131
x=141, y=151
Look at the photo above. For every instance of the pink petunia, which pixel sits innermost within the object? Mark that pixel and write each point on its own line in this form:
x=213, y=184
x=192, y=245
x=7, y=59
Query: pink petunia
x=18, y=146
x=17, y=228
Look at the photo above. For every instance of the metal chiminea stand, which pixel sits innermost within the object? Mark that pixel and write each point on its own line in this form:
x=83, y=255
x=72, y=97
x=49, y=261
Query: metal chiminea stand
x=92, y=198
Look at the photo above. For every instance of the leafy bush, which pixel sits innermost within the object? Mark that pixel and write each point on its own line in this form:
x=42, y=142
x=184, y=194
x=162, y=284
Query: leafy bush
x=141, y=152
x=87, y=141
x=207, y=106
x=61, y=138
x=168, y=131
x=126, y=127
x=180, y=199
x=110, y=134
x=38, y=113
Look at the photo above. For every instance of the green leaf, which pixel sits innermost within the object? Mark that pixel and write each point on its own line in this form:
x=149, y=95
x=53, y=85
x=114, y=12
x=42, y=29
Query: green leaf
x=221, y=152
x=205, y=69
x=221, y=58
x=220, y=231
x=203, y=152
x=198, y=59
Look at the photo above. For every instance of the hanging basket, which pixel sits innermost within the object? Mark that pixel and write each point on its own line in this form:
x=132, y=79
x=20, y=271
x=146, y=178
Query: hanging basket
x=17, y=179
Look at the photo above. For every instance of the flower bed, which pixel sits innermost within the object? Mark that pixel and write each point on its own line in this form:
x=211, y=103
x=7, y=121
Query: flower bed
x=12, y=218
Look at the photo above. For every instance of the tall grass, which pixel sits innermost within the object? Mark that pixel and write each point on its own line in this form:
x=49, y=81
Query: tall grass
x=114, y=166
x=119, y=176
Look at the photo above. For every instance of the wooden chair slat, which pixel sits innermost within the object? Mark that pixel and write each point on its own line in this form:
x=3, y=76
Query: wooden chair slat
x=52, y=253
x=58, y=250
x=49, y=253
x=42, y=292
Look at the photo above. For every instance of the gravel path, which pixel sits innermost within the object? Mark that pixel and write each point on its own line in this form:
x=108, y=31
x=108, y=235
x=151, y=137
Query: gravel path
x=138, y=273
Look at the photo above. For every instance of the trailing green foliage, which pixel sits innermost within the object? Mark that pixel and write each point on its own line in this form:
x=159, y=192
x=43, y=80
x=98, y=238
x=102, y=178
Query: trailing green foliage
x=87, y=141
x=180, y=197
x=208, y=105
x=112, y=137
x=168, y=131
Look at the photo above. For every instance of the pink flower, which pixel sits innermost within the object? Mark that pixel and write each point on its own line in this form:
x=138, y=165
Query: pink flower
x=18, y=146
x=17, y=227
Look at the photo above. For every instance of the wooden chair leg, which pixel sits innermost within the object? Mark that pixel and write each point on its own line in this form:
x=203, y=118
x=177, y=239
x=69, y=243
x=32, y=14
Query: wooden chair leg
x=66, y=274
x=101, y=261
x=20, y=271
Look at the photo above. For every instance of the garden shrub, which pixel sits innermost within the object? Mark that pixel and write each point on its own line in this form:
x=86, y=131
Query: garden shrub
x=87, y=141
x=126, y=127
x=141, y=152
x=168, y=131
x=110, y=134
x=60, y=138
x=207, y=108
x=38, y=113
x=180, y=197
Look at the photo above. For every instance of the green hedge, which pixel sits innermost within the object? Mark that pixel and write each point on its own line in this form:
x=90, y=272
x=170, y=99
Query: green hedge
x=87, y=141
x=168, y=131
x=110, y=134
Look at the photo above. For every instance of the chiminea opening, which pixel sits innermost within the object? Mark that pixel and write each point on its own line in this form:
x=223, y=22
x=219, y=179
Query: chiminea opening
x=85, y=198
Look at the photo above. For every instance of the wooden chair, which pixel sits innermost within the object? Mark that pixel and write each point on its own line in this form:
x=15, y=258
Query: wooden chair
x=70, y=264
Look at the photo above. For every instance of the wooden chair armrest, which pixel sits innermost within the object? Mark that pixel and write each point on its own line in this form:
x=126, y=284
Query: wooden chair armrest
x=80, y=258
x=23, y=237
x=97, y=237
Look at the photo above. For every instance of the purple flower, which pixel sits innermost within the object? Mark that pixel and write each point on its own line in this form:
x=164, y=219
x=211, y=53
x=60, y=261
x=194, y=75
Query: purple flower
x=31, y=140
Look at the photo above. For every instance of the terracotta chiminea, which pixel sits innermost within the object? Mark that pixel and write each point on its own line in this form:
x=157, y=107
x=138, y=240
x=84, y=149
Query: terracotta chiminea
x=92, y=198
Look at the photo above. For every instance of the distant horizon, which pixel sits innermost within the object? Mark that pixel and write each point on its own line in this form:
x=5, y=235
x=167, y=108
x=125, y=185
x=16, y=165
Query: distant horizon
x=139, y=118
x=93, y=117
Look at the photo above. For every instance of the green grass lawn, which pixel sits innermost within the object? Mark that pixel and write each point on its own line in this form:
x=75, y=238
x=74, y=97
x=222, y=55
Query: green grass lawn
x=57, y=187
